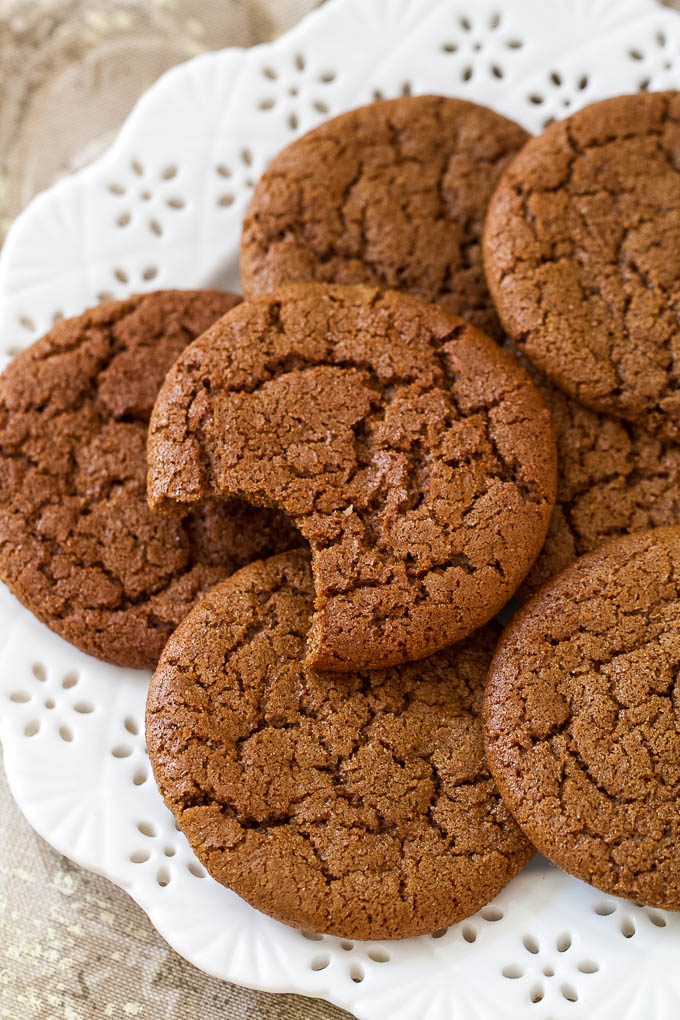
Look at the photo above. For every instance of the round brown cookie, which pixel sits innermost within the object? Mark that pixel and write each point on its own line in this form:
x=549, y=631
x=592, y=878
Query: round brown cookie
x=614, y=478
x=582, y=718
x=78, y=544
x=413, y=454
x=393, y=194
x=352, y=803
x=581, y=254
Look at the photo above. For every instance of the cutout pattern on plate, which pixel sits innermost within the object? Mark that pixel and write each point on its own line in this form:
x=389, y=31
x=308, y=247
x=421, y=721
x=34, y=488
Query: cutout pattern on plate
x=163, y=208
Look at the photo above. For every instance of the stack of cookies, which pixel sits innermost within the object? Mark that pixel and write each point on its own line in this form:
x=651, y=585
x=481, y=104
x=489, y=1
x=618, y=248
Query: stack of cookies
x=456, y=371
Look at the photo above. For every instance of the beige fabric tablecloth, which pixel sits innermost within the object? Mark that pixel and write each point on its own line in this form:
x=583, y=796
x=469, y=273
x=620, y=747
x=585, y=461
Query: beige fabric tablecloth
x=72, y=945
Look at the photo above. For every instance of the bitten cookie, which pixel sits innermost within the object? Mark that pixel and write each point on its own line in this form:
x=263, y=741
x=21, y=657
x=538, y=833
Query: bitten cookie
x=353, y=803
x=393, y=194
x=614, y=478
x=414, y=455
x=582, y=722
x=78, y=544
x=581, y=254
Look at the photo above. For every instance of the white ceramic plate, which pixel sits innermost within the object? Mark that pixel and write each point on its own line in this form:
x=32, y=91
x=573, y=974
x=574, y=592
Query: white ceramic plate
x=163, y=208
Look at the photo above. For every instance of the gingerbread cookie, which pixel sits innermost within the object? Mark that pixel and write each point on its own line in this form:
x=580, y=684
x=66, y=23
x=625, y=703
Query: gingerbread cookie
x=614, y=478
x=353, y=803
x=581, y=255
x=393, y=194
x=581, y=718
x=414, y=455
x=78, y=544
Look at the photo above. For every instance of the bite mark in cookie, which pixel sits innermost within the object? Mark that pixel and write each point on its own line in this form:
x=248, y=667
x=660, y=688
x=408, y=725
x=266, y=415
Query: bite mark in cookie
x=413, y=454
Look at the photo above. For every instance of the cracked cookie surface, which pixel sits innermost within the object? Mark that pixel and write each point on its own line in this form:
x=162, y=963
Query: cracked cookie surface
x=582, y=718
x=393, y=194
x=78, y=544
x=353, y=803
x=614, y=478
x=581, y=254
x=413, y=454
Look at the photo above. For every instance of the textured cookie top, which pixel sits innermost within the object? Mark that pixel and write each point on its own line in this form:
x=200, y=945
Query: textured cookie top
x=614, y=478
x=581, y=254
x=392, y=194
x=78, y=544
x=413, y=454
x=352, y=803
x=582, y=718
